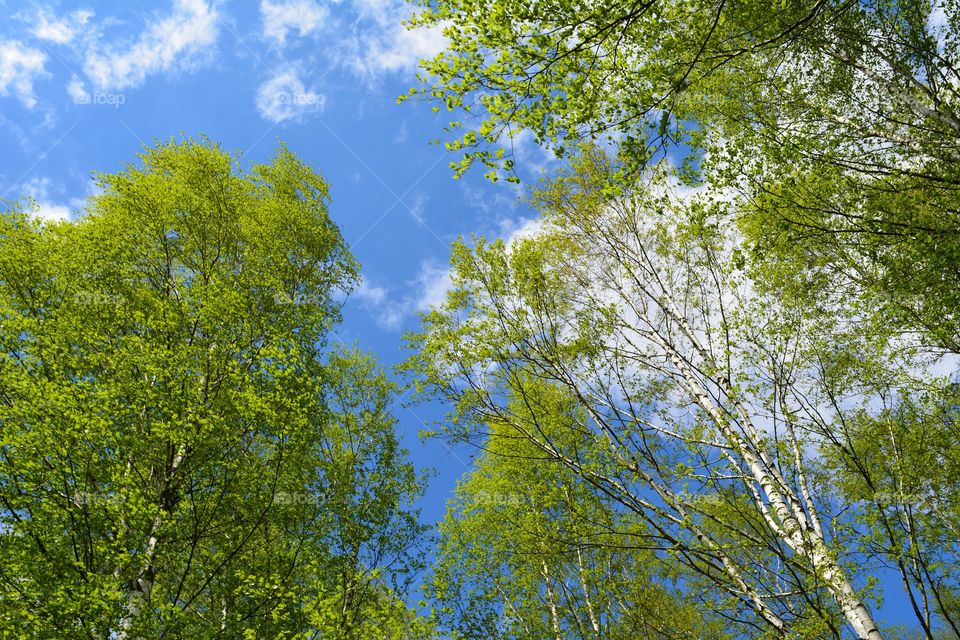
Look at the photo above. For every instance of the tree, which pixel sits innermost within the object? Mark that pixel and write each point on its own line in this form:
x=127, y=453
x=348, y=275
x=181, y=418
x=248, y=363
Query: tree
x=836, y=122
x=568, y=70
x=183, y=452
x=704, y=405
x=900, y=473
x=831, y=128
x=529, y=550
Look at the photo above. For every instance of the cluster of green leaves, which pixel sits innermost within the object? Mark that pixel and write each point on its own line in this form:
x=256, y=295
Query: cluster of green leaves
x=632, y=72
x=838, y=123
x=183, y=452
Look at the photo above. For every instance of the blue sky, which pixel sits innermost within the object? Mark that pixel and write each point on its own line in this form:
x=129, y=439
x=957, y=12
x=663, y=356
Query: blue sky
x=85, y=85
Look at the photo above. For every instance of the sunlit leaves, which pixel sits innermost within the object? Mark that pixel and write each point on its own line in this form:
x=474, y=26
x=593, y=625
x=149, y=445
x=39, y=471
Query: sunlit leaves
x=182, y=452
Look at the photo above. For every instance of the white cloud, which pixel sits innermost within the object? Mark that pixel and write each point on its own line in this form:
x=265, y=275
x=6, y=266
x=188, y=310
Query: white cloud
x=386, y=313
x=381, y=42
x=370, y=294
x=284, y=97
x=493, y=200
x=515, y=230
x=365, y=37
x=418, y=206
x=304, y=16
x=77, y=91
x=402, y=134
x=389, y=311
x=171, y=42
x=433, y=282
x=390, y=318
x=400, y=49
x=19, y=66
x=60, y=30
x=52, y=212
x=38, y=191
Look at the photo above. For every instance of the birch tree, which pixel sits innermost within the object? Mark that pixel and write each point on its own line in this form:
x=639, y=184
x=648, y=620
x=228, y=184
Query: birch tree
x=529, y=550
x=820, y=79
x=707, y=404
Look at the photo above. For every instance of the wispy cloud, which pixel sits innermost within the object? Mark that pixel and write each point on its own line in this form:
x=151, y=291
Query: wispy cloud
x=418, y=206
x=37, y=190
x=432, y=284
x=495, y=201
x=285, y=97
x=369, y=293
x=60, y=30
x=366, y=38
x=76, y=90
x=399, y=49
x=402, y=134
x=177, y=41
x=387, y=313
x=381, y=43
x=20, y=65
x=302, y=16
x=389, y=308
x=516, y=229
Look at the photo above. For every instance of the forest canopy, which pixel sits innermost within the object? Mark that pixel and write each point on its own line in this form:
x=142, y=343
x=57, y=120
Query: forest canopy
x=735, y=325
x=707, y=378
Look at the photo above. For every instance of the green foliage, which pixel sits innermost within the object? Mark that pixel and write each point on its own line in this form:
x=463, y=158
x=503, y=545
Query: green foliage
x=182, y=454
x=529, y=550
x=892, y=243
x=901, y=473
x=633, y=350
x=791, y=248
x=835, y=124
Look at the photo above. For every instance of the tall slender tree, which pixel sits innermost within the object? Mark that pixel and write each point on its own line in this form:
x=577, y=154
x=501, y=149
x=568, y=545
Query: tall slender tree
x=705, y=405
x=531, y=550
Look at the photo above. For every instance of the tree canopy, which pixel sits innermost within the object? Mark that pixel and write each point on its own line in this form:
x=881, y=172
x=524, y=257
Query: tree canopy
x=837, y=124
x=184, y=451
x=713, y=387
x=751, y=306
